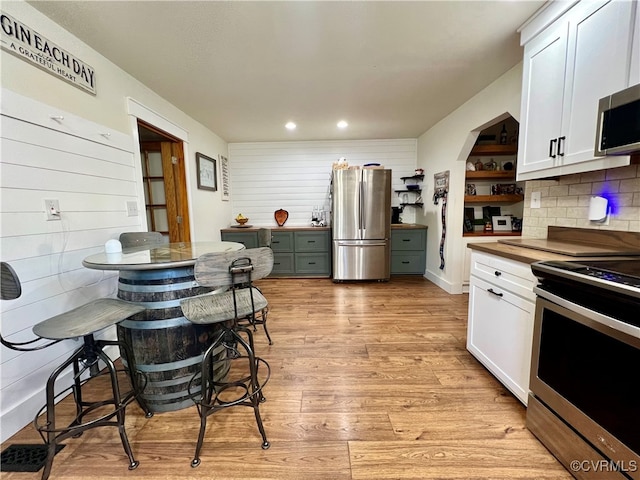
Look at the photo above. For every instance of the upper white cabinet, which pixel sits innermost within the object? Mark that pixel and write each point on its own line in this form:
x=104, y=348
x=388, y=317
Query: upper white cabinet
x=581, y=57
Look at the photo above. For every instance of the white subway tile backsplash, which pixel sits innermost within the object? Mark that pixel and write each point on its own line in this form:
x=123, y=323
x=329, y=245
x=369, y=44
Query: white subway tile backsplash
x=565, y=201
x=630, y=171
x=589, y=177
x=630, y=185
x=569, y=201
x=566, y=222
x=598, y=188
x=580, y=189
x=558, y=190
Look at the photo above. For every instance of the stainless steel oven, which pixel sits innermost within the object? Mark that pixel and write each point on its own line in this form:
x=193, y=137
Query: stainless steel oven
x=585, y=370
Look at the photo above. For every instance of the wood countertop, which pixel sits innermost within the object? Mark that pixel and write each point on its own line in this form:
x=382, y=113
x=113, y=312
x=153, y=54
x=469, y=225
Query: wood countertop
x=520, y=254
x=273, y=229
x=394, y=226
x=564, y=243
x=407, y=226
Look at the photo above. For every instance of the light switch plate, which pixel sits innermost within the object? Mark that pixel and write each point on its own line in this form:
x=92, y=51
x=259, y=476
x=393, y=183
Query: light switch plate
x=132, y=209
x=535, y=200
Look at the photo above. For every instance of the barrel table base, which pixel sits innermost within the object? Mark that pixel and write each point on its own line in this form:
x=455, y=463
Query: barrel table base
x=166, y=347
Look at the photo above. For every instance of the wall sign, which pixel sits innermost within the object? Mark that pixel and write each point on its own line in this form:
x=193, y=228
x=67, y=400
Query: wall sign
x=224, y=175
x=25, y=43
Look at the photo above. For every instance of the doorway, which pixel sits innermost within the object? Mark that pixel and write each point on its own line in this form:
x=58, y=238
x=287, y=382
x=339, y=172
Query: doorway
x=165, y=184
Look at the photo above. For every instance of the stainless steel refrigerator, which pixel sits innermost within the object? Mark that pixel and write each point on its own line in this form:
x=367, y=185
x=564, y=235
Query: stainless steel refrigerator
x=361, y=224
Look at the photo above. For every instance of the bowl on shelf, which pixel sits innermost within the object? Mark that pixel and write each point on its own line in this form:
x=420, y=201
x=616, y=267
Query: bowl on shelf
x=242, y=221
x=413, y=187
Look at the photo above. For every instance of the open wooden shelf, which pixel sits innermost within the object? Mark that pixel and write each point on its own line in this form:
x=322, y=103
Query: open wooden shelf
x=491, y=174
x=493, y=198
x=492, y=234
x=482, y=150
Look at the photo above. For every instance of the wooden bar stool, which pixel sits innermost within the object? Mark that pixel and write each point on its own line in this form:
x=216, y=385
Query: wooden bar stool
x=244, y=383
x=260, y=317
x=81, y=322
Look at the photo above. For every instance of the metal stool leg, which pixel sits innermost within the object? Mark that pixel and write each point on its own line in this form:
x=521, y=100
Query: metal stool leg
x=86, y=357
x=119, y=406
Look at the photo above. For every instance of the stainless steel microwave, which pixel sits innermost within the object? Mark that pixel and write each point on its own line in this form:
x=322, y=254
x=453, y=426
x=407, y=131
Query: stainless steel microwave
x=618, y=131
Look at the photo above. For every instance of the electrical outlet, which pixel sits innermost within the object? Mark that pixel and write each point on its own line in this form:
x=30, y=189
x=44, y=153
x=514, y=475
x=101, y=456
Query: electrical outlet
x=132, y=209
x=535, y=200
x=52, y=209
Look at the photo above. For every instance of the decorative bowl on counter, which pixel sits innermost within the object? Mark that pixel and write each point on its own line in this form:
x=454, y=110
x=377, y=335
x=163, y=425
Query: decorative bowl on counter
x=242, y=221
x=281, y=216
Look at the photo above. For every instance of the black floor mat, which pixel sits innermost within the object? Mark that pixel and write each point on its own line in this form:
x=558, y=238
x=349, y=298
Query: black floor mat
x=25, y=457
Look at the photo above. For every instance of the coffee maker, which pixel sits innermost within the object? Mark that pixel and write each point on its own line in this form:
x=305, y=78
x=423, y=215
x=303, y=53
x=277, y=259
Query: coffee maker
x=395, y=214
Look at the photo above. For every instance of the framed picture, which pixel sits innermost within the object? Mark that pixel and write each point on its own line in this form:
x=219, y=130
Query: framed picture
x=224, y=175
x=471, y=188
x=206, y=168
x=469, y=219
x=501, y=223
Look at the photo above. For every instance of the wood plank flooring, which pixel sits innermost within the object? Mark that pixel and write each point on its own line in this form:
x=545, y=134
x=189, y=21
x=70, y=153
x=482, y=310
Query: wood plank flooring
x=369, y=381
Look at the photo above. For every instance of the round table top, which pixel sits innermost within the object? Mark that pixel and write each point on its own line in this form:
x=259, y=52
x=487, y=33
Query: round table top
x=158, y=256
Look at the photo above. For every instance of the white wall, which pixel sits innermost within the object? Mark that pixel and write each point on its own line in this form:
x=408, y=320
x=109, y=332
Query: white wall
x=93, y=188
x=446, y=146
x=296, y=176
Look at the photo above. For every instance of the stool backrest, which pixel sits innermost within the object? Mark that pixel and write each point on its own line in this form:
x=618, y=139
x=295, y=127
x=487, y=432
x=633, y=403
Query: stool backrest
x=264, y=237
x=212, y=269
x=9, y=282
x=135, y=239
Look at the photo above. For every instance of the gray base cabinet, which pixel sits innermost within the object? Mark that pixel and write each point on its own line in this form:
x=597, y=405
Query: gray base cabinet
x=296, y=253
x=301, y=253
x=249, y=239
x=408, y=251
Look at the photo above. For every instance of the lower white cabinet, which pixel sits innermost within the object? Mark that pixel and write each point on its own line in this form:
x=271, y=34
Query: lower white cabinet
x=501, y=312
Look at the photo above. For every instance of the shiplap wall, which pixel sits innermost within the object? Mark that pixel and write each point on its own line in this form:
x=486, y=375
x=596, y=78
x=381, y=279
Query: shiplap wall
x=90, y=170
x=296, y=176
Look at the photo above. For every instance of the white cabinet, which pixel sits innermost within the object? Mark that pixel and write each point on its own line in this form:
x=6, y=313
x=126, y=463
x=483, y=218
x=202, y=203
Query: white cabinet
x=634, y=71
x=501, y=312
x=583, y=56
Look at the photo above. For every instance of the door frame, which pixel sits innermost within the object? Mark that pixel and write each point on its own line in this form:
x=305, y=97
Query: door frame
x=138, y=111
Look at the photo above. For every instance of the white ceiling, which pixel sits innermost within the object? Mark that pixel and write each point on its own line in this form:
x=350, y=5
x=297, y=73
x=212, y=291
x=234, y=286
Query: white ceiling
x=243, y=69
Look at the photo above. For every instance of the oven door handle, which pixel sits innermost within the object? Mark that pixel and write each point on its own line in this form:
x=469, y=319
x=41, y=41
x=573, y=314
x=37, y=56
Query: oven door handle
x=588, y=313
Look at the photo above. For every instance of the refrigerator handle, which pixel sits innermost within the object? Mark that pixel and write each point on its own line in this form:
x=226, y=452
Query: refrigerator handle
x=363, y=220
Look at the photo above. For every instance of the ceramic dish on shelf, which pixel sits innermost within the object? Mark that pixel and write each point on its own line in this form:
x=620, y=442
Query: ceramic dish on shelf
x=281, y=216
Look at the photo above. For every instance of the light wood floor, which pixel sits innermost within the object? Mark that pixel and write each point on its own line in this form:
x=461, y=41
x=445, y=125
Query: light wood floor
x=369, y=381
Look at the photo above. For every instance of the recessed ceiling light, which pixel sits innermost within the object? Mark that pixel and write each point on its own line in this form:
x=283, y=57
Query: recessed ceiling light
x=342, y=124
x=290, y=126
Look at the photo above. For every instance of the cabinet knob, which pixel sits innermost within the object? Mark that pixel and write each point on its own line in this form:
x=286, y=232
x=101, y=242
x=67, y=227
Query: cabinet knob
x=497, y=273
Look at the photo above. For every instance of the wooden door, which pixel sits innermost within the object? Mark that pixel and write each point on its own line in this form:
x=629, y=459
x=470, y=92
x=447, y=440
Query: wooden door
x=165, y=188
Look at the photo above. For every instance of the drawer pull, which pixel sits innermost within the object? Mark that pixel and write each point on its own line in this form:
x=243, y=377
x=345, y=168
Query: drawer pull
x=275, y=241
x=311, y=241
x=495, y=293
x=552, y=144
x=312, y=263
x=561, y=146
x=406, y=239
x=276, y=263
x=497, y=273
x=405, y=261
